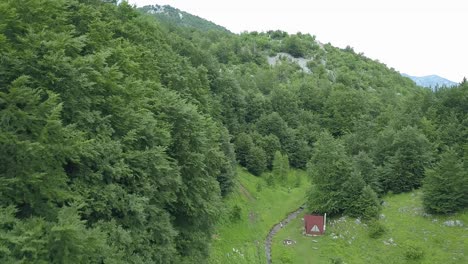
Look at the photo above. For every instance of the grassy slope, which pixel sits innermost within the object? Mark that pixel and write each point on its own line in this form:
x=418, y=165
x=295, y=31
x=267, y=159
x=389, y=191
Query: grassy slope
x=406, y=224
x=260, y=211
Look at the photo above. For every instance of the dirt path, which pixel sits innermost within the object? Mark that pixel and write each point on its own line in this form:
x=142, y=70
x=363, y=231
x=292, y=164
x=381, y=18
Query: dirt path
x=275, y=230
x=246, y=192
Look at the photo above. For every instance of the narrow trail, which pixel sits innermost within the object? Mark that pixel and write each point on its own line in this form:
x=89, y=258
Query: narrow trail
x=275, y=230
x=246, y=192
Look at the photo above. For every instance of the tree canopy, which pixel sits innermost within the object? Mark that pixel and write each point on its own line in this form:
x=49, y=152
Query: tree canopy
x=120, y=133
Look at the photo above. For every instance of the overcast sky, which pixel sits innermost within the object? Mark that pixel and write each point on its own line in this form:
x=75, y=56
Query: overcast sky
x=418, y=37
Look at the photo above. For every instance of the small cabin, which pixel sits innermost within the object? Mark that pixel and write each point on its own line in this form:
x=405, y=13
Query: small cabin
x=315, y=225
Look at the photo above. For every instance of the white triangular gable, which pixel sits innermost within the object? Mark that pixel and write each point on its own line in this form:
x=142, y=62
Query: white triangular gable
x=314, y=229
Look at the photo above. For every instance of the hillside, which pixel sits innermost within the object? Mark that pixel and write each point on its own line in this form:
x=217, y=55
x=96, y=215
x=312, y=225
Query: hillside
x=173, y=16
x=410, y=236
x=252, y=209
x=121, y=134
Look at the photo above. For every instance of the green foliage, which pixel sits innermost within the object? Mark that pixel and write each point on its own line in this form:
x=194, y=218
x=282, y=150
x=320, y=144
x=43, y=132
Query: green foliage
x=368, y=203
x=261, y=210
x=286, y=258
x=120, y=134
x=227, y=172
x=409, y=152
x=364, y=164
x=256, y=161
x=329, y=168
x=66, y=240
x=413, y=252
x=337, y=187
x=270, y=144
x=34, y=147
x=336, y=260
x=236, y=213
x=175, y=17
x=376, y=229
x=446, y=184
x=405, y=224
x=98, y=110
x=244, y=145
x=360, y=199
x=352, y=189
x=345, y=107
x=259, y=187
x=280, y=167
x=295, y=46
x=270, y=180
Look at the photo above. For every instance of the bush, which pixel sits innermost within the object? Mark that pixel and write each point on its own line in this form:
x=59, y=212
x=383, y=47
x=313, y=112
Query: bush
x=336, y=260
x=270, y=179
x=376, y=229
x=259, y=187
x=286, y=258
x=236, y=213
x=298, y=181
x=256, y=161
x=413, y=252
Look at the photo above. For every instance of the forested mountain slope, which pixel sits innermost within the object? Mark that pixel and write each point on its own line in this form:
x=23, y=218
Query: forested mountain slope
x=119, y=135
x=172, y=16
x=431, y=81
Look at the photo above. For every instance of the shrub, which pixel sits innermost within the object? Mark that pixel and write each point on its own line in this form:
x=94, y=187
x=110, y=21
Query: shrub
x=413, y=252
x=236, y=213
x=286, y=258
x=259, y=187
x=376, y=229
x=336, y=260
x=298, y=181
x=270, y=179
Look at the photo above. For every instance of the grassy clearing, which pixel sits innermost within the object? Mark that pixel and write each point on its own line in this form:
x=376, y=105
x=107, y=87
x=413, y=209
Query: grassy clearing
x=261, y=207
x=411, y=237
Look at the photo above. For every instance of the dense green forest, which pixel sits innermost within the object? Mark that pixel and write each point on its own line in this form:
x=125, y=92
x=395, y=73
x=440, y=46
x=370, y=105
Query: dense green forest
x=120, y=133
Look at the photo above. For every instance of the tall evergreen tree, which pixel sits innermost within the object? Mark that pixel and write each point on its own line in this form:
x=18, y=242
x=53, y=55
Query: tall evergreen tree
x=445, y=187
x=409, y=152
x=329, y=168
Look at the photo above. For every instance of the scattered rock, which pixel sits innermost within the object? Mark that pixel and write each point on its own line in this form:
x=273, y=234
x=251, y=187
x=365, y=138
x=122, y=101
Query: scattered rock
x=288, y=242
x=302, y=62
x=453, y=223
x=389, y=242
x=235, y=250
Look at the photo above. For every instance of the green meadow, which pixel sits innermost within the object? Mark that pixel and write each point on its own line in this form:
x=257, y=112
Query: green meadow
x=241, y=239
x=410, y=236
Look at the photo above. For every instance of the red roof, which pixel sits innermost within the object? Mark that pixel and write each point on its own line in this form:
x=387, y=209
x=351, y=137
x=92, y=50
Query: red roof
x=313, y=224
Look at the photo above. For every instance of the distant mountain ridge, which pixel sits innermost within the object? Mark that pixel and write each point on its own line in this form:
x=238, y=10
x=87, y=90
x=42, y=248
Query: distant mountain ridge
x=430, y=81
x=178, y=17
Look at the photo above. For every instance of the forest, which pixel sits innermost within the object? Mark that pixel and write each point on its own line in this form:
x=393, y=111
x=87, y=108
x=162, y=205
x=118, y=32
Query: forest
x=121, y=133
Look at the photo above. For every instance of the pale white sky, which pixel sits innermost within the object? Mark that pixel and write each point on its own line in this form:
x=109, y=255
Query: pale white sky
x=417, y=37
